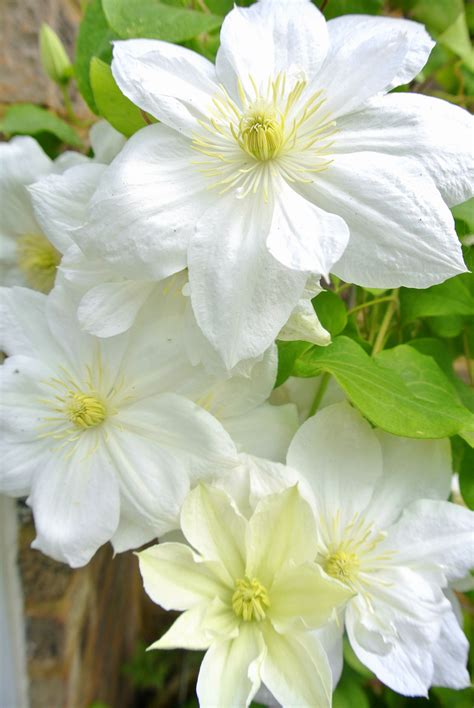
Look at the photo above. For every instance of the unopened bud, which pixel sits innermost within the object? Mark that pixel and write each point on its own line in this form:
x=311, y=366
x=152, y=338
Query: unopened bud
x=54, y=59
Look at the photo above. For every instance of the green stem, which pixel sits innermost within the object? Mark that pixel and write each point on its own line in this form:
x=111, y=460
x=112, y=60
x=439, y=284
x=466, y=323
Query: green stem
x=319, y=393
x=387, y=298
x=382, y=333
x=68, y=103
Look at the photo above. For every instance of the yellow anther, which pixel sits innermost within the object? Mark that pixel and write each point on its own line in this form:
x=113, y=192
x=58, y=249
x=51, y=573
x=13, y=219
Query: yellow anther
x=38, y=260
x=250, y=600
x=342, y=565
x=85, y=411
x=261, y=133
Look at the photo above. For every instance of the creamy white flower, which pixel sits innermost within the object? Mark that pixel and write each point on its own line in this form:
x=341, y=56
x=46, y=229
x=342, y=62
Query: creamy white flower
x=29, y=254
x=250, y=591
x=386, y=531
x=266, y=166
x=93, y=430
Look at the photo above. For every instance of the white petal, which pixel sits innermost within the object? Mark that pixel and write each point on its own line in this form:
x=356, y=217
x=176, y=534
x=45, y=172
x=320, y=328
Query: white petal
x=61, y=201
x=305, y=593
x=340, y=456
x=22, y=161
x=266, y=431
x=365, y=29
x=281, y=533
x=241, y=295
x=146, y=206
x=24, y=328
x=304, y=237
x=268, y=38
x=331, y=638
x=434, y=132
x=412, y=469
x=296, y=670
x=20, y=461
x=110, y=308
x=229, y=673
x=23, y=389
x=130, y=535
x=75, y=502
x=401, y=231
x=106, y=142
x=450, y=654
x=172, y=83
x=214, y=527
x=436, y=532
x=304, y=324
x=175, y=578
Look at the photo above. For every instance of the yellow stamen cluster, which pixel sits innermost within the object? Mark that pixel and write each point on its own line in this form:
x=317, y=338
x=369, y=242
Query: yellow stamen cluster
x=250, y=600
x=342, y=565
x=85, y=411
x=260, y=132
x=38, y=260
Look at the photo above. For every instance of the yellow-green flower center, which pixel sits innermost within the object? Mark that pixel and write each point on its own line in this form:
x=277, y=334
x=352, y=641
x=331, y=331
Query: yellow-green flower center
x=85, y=410
x=261, y=133
x=250, y=600
x=38, y=260
x=342, y=565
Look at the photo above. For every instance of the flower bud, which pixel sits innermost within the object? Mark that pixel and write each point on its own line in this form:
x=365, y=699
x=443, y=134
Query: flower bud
x=54, y=59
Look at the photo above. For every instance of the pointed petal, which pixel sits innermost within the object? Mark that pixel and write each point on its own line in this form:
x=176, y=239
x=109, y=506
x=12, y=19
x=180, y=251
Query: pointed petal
x=268, y=38
x=214, y=527
x=339, y=455
x=266, y=431
x=450, y=654
x=110, y=308
x=106, y=142
x=281, y=532
x=433, y=132
x=401, y=231
x=130, y=534
x=146, y=206
x=241, y=295
x=304, y=237
x=172, y=83
x=176, y=578
x=229, y=673
x=296, y=670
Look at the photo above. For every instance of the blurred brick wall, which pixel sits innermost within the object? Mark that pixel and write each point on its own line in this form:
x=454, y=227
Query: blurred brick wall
x=81, y=626
x=21, y=76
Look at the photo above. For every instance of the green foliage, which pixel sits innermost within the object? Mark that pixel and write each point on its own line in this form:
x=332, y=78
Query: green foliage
x=112, y=105
x=453, y=297
x=94, y=40
x=54, y=59
x=288, y=353
x=155, y=19
x=28, y=119
x=331, y=312
x=349, y=7
x=403, y=392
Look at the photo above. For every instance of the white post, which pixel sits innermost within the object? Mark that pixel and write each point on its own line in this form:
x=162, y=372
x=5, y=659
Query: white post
x=13, y=675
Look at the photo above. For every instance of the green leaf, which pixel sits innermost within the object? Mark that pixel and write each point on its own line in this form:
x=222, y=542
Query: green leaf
x=404, y=393
x=154, y=19
x=331, y=311
x=453, y=297
x=465, y=212
x=112, y=105
x=288, y=353
x=349, y=7
x=28, y=119
x=94, y=40
x=466, y=476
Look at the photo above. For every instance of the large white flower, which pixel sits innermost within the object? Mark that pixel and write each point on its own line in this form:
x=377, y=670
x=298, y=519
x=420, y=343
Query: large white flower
x=29, y=254
x=386, y=531
x=264, y=167
x=109, y=301
x=250, y=591
x=93, y=430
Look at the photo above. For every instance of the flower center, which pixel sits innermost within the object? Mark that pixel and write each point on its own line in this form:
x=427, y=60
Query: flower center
x=38, y=260
x=250, y=600
x=342, y=565
x=260, y=133
x=85, y=410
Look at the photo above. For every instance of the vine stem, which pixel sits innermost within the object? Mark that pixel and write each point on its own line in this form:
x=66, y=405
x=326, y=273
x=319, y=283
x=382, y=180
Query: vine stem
x=382, y=333
x=68, y=104
x=319, y=393
x=387, y=298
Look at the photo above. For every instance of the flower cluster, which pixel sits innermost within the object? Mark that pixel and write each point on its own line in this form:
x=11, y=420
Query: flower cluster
x=144, y=289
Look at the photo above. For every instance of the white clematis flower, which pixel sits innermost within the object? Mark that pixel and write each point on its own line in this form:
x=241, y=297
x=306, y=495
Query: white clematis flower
x=386, y=531
x=250, y=590
x=283, y=159
x=29, y=254
x=93, y=430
